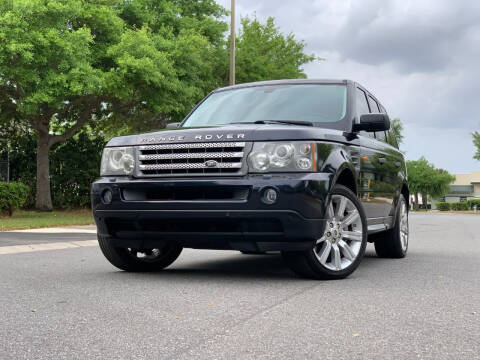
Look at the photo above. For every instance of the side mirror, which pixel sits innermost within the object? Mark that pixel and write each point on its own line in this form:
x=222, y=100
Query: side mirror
x=372, y=123
x=172, y=126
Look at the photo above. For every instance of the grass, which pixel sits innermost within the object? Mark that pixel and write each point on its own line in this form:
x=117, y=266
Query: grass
x=449, y=211
x=31, y=219
x=460, y=212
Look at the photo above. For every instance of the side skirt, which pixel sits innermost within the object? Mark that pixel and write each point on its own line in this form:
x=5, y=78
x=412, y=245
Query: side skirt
x=376, y=225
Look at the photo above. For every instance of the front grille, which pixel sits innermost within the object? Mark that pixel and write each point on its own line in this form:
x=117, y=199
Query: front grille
x=196, y=159
x=239, y=226
x=187, y=193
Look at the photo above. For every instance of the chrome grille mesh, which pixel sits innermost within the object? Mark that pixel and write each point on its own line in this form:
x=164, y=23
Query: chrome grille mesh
x=195, y=159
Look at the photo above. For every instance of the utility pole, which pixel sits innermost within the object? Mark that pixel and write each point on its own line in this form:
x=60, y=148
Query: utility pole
x=232, y=44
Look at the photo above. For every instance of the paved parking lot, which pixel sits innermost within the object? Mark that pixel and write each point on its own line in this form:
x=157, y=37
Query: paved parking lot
x=71, y=304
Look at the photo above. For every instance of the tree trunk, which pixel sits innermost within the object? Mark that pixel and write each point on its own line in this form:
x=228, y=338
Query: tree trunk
x=43, y=199
x=416, y=201
x=424, y=201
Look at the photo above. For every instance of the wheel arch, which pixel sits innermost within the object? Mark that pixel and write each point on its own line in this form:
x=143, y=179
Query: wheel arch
x=346, y=176
x=406, y=194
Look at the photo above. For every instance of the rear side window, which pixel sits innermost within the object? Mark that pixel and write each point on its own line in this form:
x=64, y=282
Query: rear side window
x=374, y=108
x=362, y=105
x=362, y=108
x=373, y=105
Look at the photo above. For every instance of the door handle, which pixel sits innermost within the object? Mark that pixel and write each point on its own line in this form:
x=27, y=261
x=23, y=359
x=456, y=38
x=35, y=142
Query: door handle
x=398, y=164
x=382, y=160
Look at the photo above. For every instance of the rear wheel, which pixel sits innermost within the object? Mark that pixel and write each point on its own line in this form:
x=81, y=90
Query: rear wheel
x=393, y=243
x=339, y=250
x=135, y=260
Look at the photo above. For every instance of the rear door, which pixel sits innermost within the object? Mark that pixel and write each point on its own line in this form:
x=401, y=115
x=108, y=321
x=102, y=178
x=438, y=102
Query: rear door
x=386, y=166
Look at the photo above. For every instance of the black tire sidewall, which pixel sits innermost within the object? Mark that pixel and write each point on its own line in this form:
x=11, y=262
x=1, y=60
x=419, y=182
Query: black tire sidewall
x=120, y=257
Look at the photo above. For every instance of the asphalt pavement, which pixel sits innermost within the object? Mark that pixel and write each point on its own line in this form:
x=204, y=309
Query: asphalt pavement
x=72, y=304
x=47, y=235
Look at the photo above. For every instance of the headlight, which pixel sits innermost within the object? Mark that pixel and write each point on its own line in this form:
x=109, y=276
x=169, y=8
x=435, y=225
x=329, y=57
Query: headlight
x=282, y=156
x=117, y=161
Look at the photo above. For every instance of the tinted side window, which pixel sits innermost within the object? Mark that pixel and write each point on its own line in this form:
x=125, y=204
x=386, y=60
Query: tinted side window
x=362, y=108
x=362, y=105
x=373, y=105
x=375, y=109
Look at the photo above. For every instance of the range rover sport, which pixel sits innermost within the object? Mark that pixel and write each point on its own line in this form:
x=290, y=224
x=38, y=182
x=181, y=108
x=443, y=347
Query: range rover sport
x=305, y=167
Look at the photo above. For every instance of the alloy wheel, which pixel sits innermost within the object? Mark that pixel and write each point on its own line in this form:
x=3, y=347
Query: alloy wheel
x=404, y=226
x=342, y=239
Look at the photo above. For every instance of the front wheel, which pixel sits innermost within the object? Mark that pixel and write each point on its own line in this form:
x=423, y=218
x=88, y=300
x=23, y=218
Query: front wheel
x=134, y=260
x=340, y=249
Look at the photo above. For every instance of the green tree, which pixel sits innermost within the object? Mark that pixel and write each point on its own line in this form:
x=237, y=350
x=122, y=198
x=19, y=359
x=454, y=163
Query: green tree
x=476, y=142
x=395, y=135
x=66, y=63
x=425, y=179
x=264, y=53
x=122, y=66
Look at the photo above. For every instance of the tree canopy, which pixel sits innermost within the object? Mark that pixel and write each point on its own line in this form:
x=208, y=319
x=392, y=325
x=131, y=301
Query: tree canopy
x=127, y=64
x=264, y=53
x=476, y=142
x=395, y=135
x=425, y=179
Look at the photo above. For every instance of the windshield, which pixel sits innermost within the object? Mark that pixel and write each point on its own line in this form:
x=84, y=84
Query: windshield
x=324, y=104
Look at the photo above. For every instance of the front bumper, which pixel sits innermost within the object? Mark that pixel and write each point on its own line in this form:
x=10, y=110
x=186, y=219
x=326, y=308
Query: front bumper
x=211, y=213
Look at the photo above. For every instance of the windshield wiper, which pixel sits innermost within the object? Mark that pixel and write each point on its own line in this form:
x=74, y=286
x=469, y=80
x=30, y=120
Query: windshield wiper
x=285, y=122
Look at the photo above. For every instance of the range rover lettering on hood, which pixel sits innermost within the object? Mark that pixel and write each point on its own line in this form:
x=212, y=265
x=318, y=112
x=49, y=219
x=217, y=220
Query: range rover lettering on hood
x=207, y=137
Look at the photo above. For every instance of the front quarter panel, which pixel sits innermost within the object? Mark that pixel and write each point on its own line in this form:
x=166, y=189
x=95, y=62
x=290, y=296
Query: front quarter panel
x=335, y=158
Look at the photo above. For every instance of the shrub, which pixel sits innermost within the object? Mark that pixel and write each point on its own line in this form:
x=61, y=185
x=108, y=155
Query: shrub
x=74, y=165
x=472, y=203
x=422, y=207
x=12, y=196
x=443, y=206
x=460, y=206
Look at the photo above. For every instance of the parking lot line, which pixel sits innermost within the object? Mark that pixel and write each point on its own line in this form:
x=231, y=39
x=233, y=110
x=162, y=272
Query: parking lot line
x=18, y=249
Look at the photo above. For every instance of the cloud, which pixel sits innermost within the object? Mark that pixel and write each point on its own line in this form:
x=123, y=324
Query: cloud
x=420, y=58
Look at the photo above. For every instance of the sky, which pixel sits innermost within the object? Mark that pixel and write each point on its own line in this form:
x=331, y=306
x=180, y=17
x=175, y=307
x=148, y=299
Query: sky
x=420, y=58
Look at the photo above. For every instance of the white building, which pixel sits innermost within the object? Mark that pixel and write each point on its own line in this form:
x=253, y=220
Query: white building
x=465, y=187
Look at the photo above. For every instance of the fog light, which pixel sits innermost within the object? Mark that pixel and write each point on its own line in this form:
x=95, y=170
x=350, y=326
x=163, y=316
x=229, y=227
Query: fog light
x=107, y=196
x=270, y=196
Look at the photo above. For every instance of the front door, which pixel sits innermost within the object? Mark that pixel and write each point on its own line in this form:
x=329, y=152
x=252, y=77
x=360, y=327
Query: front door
x=377, y=185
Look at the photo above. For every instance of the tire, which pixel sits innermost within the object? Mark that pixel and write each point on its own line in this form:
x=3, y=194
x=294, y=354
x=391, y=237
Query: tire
x=343, y=242
x=393, y=243
x=139, y=261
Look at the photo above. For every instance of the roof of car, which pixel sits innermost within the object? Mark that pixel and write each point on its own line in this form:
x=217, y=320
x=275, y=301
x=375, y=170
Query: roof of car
x=287, y=82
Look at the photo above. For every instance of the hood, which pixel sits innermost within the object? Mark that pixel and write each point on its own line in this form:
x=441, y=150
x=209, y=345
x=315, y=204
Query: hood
x=260, y=132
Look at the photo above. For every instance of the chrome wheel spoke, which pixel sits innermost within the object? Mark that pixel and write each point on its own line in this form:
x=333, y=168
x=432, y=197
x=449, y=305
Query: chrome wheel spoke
x=322, y=239
x=330, y=213
x=336, y=258
x=346, y=250
x=352, y=217
x=352, y=235
x=341, y=208
x=325, y=251
x=403, y=227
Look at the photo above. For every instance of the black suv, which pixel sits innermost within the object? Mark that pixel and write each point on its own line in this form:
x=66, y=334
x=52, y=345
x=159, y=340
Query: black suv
x=305, y=167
